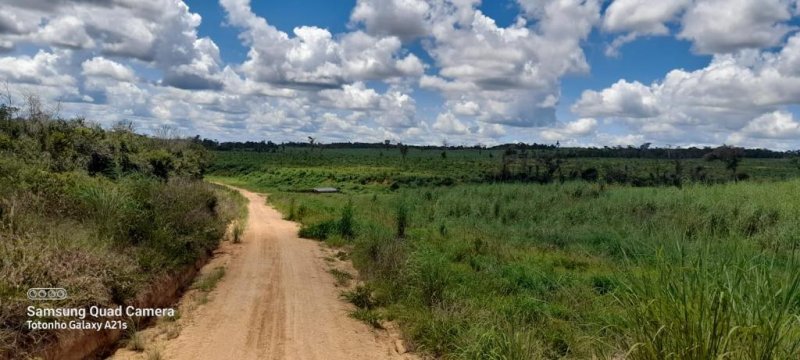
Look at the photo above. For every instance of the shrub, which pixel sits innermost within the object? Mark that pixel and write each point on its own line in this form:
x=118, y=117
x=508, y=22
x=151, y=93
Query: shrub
x=238, y=230
x=135, y=342
x=291, y=216
x=319, y=231
x=161, y=163
x=401, y=220
x=346, y=224
x=589, y=174
x=361, y=297
x=370, y=317
x=100, y=162
x=101, y=213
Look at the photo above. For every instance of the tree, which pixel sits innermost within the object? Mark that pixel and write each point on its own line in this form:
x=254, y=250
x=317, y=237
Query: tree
x=551, y=163
x=729, y=155
x=7, y=112
x=311, y=142
x=403, y=150
x=124, y=126
x=34, y=107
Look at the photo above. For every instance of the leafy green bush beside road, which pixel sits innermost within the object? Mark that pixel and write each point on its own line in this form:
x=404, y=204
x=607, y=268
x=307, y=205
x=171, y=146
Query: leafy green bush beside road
x=98, y=212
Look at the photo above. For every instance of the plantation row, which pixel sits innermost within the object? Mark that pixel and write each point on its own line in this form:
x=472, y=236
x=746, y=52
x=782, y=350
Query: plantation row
x=99, y=212
x=378, y=169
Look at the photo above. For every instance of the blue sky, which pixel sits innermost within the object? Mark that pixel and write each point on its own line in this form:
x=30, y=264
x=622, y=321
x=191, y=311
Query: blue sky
x=644, y=60
x=581, y=72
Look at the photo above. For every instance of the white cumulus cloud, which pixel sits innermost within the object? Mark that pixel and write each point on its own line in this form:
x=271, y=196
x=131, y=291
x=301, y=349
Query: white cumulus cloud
x=713, y=26
x=708, y=103
x=102, y=67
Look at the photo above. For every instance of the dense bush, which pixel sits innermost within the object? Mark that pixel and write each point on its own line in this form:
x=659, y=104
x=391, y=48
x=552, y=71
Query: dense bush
x=98, y=212
x=60, y=145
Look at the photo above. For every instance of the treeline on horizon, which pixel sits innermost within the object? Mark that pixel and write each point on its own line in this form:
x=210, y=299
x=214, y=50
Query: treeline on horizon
x=643, y=151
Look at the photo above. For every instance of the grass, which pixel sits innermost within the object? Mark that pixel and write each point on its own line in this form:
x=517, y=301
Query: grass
x=376, y=170
x=370, y=317
x=238, y=230
x=99, y=212
x=239, y=223
x=733, y=310
x=154, y=354
x=699, y=267
x=208, y=282
x=576, y=270
x=342, y=277
x=203, y=299
x=135, y=342
x=361, y=297
x=172, y=331
x=172, y=318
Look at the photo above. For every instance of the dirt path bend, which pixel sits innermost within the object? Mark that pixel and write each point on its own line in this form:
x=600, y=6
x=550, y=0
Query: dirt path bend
x=275, y=301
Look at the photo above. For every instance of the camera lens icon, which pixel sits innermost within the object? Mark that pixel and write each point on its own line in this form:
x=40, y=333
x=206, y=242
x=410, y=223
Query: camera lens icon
x=47, y=294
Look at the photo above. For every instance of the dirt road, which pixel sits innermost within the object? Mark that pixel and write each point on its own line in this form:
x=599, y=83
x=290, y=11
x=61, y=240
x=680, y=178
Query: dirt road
x=276, y=301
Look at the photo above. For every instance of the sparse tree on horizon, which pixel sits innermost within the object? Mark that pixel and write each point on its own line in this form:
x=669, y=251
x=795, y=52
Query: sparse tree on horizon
x=729, y=155
x=403, y=150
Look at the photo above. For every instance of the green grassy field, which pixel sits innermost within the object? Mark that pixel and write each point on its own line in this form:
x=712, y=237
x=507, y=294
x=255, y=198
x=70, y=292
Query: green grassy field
x=478, y=270
x=377, y=170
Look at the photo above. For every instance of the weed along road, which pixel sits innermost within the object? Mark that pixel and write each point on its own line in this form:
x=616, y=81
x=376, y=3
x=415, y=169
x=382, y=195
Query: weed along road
x=276, y=301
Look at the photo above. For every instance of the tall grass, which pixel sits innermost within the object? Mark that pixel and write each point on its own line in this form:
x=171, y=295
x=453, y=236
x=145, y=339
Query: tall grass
x=344, y=227
x=582, y=270
x=703, y=307
x=102, y=240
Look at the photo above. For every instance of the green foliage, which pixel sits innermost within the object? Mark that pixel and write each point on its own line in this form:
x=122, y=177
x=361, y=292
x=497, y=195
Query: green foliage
x=363, y=170
x=402, y=220
x=342, y=277
x=85, y=209
x=370, y=317
x=740, y=308
x=72, y=145
x=729, y=155
x=319, y=231
x=361, y=297
x=579, y=270
x=346, y=225
x=477, y=266
x=160, y=162
x=208, y=282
